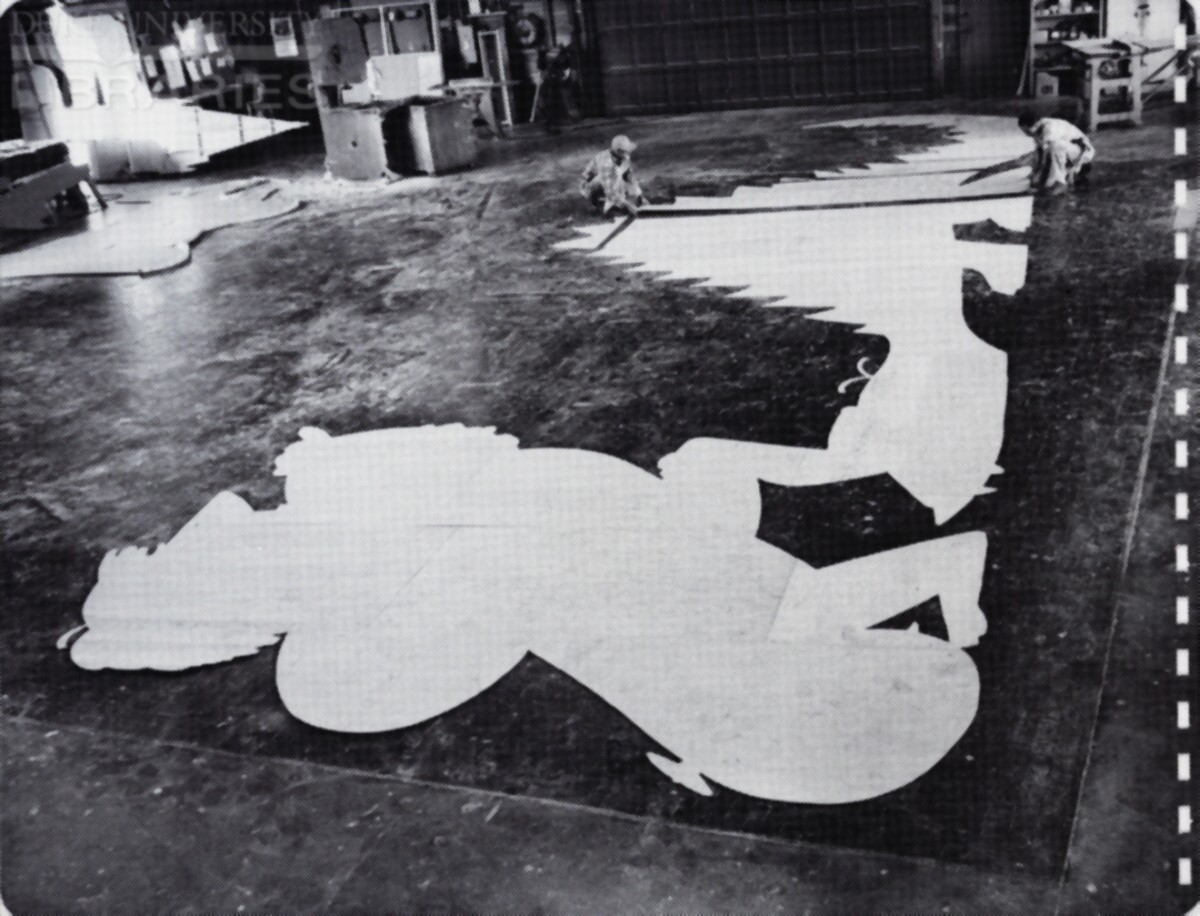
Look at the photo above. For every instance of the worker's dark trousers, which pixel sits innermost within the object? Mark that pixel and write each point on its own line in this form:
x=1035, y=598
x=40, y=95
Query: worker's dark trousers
x=556, y=108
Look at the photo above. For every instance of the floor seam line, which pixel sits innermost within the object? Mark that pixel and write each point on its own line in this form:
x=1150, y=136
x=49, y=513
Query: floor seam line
x=551, y=803
x=1134, y=514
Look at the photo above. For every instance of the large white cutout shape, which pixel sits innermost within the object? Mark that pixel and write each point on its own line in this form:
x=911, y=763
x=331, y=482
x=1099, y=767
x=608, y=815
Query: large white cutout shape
x=411, y=569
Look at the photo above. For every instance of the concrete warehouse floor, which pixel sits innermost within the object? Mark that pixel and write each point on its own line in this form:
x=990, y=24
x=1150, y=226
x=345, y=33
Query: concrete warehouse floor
x=130, y=402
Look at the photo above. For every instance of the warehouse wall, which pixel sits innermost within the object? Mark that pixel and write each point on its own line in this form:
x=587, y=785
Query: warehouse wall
x=993, y=39
x=679, y=55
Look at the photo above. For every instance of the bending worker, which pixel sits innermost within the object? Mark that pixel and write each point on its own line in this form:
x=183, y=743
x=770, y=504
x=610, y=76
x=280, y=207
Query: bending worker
x=1064, y=153
x=608, y=181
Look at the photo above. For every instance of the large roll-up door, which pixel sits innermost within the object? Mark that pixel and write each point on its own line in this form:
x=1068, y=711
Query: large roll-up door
x=682, y=55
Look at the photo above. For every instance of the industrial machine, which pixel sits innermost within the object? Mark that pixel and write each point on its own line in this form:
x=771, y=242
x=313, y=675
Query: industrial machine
x=1112, y=73
x=378, y=78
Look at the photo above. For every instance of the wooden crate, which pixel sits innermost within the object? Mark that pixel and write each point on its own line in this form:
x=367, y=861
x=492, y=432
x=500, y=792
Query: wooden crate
x=440, y=137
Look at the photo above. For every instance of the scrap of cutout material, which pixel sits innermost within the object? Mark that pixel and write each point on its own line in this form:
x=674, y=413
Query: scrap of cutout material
x=894, y=270
x=146, y=235
x=933, y=416
x=410, y=569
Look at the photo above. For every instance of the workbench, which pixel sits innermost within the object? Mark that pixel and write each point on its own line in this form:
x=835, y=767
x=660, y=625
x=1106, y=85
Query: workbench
x=1108, y=66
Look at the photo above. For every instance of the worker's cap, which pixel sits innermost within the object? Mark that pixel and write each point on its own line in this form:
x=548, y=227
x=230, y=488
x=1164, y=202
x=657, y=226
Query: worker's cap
x=622, y=144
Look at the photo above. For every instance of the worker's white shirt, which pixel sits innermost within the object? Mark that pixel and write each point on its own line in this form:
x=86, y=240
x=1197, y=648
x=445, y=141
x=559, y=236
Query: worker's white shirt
x=1049, y=131
x=1063, y=151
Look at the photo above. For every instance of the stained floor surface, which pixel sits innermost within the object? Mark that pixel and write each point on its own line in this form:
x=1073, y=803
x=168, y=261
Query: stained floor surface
x=132, y=402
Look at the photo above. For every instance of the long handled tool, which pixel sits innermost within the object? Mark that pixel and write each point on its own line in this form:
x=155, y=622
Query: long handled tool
x=625, y=224
x=1001, y=167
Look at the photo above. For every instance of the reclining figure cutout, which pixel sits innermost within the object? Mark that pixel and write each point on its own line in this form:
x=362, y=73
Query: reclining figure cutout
x=410, y=569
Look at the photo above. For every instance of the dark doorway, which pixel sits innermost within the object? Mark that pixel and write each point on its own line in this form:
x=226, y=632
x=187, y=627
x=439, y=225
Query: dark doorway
x=992, y=39
x=10, y=119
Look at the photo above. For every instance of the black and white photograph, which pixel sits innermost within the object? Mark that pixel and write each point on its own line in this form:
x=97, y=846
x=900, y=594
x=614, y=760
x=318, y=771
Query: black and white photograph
x=598, y=457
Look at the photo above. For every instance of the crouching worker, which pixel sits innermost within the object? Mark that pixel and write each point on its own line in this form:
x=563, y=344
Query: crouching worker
x=608, y=181
x=1064, y=154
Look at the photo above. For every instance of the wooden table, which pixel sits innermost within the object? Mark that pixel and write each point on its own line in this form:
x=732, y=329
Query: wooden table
x=1093, y=55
